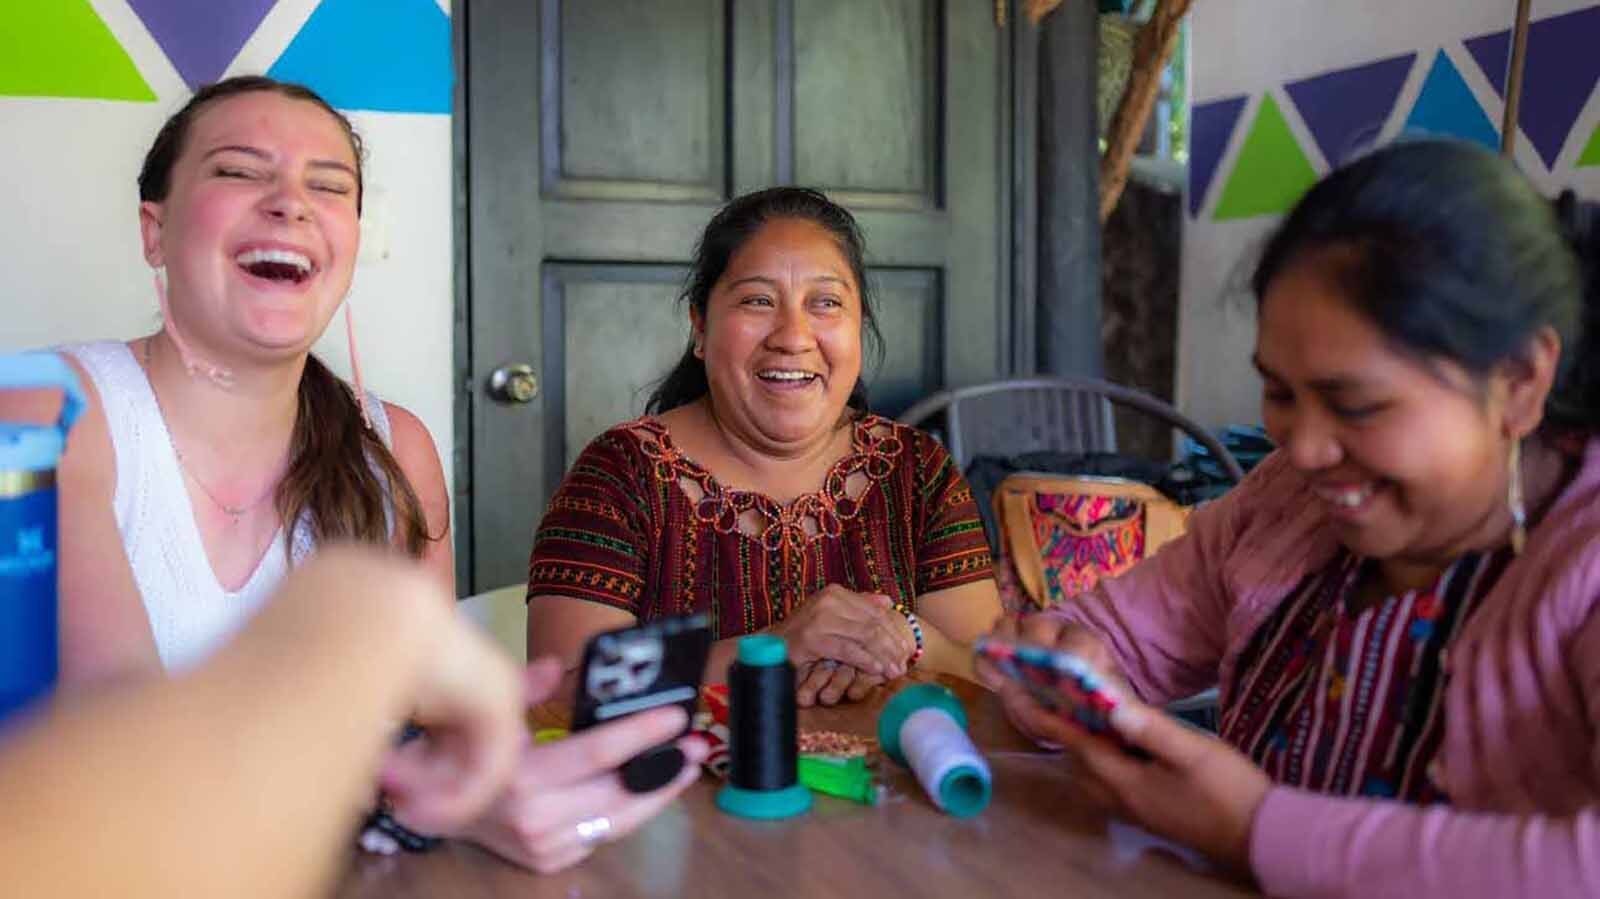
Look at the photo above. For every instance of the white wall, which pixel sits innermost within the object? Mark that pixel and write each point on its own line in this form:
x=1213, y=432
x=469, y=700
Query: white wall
x=70, y=267
x=1250, y=47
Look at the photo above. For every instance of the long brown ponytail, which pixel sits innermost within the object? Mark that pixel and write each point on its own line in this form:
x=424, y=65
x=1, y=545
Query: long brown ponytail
x=339, y=471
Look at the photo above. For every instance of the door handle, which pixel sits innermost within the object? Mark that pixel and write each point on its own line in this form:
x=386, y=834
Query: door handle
x=514, y=384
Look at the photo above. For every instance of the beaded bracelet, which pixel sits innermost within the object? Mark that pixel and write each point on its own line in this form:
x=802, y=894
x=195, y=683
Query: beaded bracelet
x=916, y=632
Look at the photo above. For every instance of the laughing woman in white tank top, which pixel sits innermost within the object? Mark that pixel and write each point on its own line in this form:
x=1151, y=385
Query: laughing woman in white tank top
x=218, y=452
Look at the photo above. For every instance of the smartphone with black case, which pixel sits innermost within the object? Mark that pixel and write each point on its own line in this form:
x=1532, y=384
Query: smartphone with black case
x=637, y=668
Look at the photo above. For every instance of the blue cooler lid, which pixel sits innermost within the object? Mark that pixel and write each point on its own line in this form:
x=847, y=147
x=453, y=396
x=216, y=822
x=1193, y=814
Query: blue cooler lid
x=36, y=447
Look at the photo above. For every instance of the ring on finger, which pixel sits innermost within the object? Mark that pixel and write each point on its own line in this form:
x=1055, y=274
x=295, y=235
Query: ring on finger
x=593, y=831
x=837, y=685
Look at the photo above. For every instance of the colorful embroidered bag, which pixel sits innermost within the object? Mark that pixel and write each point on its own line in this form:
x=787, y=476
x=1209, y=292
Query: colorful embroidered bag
x=1060, y=534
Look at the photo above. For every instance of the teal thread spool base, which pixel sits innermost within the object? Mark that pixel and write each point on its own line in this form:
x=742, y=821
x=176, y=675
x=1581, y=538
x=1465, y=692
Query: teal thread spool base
x=764, y=805
x=964, y=792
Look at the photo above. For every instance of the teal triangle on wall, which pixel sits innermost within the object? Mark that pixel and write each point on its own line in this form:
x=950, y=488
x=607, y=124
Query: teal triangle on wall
x=1272, y=171
x=378, y=55
x=62, y=48
x=1446, y=107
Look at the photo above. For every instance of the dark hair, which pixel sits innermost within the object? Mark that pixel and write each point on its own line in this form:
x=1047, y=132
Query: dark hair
x=338, y=468
x=1451, y=252
x=155, y=176
x=726, y=233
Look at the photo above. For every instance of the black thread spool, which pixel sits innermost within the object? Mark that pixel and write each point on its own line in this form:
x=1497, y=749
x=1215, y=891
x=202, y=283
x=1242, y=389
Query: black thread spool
x=763, y=779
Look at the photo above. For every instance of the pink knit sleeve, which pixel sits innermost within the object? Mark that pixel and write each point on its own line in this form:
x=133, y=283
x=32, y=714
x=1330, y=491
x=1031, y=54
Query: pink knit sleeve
x=1165, y=620
x=1307, y=845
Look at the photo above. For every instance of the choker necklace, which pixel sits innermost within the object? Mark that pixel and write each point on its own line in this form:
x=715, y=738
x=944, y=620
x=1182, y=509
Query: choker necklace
x=235, y=513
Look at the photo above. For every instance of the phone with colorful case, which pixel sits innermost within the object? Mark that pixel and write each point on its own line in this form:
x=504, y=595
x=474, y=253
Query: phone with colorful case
x=1063, y=682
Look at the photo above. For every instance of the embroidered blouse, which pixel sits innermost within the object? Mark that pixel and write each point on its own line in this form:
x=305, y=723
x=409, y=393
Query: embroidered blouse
x=638, y=525
x=1349, y=702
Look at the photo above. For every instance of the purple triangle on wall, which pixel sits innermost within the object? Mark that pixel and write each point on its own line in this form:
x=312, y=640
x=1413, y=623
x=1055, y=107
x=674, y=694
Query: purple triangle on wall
x=201, y=37
x=1346, y=110
x=1210, y=126
x=1562, y=67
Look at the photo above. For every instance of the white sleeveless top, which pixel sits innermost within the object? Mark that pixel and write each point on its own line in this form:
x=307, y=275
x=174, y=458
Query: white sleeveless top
x=189, y=611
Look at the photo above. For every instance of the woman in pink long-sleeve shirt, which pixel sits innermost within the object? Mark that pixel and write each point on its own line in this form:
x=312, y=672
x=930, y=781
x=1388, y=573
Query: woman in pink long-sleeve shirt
x=1399, y=606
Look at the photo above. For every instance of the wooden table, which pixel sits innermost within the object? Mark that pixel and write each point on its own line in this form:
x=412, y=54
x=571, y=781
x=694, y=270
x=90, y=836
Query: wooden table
x=1037, y=837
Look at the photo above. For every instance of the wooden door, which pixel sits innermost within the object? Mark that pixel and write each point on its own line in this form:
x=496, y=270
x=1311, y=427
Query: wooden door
x=601, y=137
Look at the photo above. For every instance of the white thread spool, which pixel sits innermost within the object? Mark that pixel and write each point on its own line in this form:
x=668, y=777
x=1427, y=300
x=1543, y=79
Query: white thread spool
x=924, y=727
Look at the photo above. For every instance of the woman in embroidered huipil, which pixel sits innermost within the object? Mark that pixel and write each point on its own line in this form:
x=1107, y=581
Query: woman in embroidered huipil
x=1400, y=605
x=759, y=490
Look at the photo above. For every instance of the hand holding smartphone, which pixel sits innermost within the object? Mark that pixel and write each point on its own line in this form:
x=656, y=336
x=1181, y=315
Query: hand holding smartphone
x=634, y=669
x=1064, y=683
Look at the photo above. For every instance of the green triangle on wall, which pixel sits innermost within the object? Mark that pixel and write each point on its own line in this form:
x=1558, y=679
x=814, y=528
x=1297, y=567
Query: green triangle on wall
x=62, y=48
x=1591, y=153
x=1271, y=172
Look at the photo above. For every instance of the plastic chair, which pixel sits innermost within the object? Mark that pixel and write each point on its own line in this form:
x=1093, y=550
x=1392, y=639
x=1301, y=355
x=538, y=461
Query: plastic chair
x=1056, y=414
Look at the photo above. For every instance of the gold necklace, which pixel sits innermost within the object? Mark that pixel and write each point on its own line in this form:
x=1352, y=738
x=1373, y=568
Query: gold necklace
x=235, y=513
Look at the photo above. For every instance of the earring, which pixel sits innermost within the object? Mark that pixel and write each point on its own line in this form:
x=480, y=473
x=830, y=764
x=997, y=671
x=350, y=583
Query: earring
x=355, y=366
x=1519, y=511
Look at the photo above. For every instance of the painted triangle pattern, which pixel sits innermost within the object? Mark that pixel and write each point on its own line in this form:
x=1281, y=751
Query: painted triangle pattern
x=1210, y=126
x=380, y=55
x=1591, y=151
x=1345, y=111
x=1446, y=107
x=1563, y=65
x=62, y=48
x=201, y=37
x=1271, y=173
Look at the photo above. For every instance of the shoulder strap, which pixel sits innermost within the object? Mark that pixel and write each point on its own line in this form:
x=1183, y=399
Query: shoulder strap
x=129, y=409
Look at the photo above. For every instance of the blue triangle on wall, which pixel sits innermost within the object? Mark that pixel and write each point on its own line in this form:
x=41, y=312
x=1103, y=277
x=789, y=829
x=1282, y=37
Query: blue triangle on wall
x=201, y=37
x=1447, y=107
x=1561, y=71
x=378, y=55
x=1346, y=110
x=1211, y=124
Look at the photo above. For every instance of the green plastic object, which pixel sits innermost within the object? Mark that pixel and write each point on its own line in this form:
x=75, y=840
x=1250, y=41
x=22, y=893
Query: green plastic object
x=763, y=651
x=846, y=778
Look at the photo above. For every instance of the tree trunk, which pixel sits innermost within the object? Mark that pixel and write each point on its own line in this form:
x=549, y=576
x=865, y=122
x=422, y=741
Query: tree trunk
x=1151, y=50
